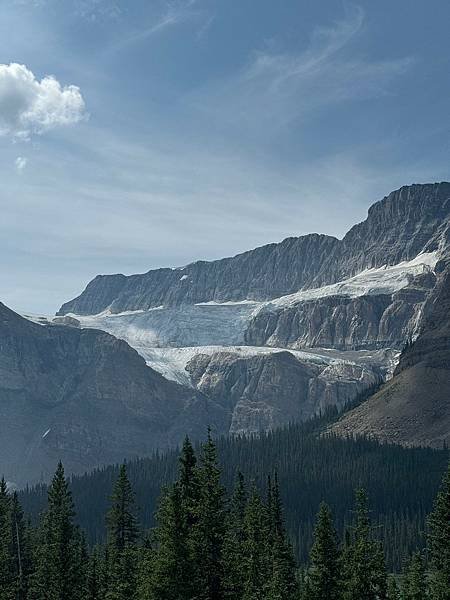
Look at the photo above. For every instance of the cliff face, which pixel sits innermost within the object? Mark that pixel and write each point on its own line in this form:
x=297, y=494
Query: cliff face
x=414, y=407
x=411, y=220
x=265, y=391
x=367, y=321
x=86, y=397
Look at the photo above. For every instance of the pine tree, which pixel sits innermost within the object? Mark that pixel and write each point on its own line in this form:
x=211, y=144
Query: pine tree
x=414, y=585
x=364, y=572
x=256, y=562
x=94, y=576
x=209, y=528
x=323, y=574
x=282, y=582
x=58, y=571
x=188, y=480
x=122, y=535
x=121, y=519
x=438, y=543
x=233, y=547
x=6, y=564
x=20, y=550
x=170, y=575
x=393, y=593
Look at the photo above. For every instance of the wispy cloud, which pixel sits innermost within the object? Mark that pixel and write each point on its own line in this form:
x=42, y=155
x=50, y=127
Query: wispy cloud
x=275, y=88
x=173, y=12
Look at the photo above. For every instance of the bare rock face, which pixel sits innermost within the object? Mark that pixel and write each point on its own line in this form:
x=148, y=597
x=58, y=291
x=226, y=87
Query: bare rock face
x=85, y=397
x=265, y=391
x=378, y=321
x=410, y=220
x=414, y=407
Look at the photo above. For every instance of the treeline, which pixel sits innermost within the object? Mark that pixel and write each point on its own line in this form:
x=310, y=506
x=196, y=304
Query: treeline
x=401, y=484
x=208, y=545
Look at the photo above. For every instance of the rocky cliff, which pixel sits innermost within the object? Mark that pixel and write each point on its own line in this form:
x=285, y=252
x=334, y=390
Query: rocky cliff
x=86, y=397
x=409, y=221
x=264, y=391
x=414, y=407
x=342, y=322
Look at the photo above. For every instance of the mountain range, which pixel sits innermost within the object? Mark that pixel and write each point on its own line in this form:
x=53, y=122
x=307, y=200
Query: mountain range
x=243, y=344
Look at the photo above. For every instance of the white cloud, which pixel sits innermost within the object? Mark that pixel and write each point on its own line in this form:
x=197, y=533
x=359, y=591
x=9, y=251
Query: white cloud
x=29, y=106
x=21, y=163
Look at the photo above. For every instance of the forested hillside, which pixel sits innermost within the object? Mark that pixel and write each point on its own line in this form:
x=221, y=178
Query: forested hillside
x=400, y=482
x=210, y=544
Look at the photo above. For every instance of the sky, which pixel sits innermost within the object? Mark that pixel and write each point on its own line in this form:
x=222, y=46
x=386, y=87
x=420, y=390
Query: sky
x=137, y=134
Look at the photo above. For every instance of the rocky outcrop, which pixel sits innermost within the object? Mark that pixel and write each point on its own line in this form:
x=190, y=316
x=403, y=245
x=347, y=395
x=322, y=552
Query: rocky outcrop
x=367, y=321
x=414, y=407
x=87, y=398
x=399, y=227
x=268, y=390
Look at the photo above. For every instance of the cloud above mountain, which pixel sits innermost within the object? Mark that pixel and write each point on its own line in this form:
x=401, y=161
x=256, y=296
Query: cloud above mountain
x=31, y=107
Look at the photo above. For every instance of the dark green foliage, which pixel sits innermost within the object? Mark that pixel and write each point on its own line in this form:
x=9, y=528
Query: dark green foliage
x=323, y=573
x=363, y=568
x=439, y=543
x=6, y=565
x=393, y=592
x=401, y=484
x=58, y=555
x=96, y=576
x=207, y=548
x=121, y=520
x=234, y=539
x=21, y=560
x=414, y=585
x=168, y=570
x=282, y=577
x=256, y=549
x=209, y=528
x=122, y=531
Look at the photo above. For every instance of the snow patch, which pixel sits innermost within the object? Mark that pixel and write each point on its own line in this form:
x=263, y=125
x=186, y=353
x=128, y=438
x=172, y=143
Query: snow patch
x=387, y=279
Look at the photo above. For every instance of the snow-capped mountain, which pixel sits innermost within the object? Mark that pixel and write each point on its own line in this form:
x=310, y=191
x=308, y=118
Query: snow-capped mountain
x=270, y=336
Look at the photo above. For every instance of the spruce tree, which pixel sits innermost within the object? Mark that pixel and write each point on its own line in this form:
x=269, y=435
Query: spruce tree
x=94, y=576
x=438, y=542
x=58, y=573
x=6, y=563
x=188, y=480
x=209, y=528
x=364, y=572
x=393, y=592
x=257, y=559
x=414, y=585
x=233, y=547
x=122, y=535
x=323, y=573
x=169, y=575
x=20, y=550
x=282, y=579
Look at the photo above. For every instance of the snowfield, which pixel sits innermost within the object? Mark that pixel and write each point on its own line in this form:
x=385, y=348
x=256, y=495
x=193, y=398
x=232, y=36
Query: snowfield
x=370, y=282
x=169, y=337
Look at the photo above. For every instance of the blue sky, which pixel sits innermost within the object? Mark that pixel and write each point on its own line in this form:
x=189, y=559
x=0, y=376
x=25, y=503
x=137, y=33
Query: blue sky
x=147, y=133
